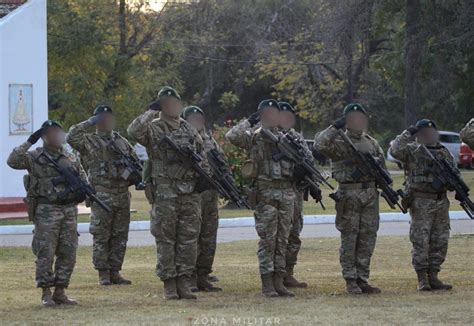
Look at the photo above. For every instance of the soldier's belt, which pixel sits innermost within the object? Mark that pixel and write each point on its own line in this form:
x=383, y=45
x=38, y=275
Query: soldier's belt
x=428, y=195
x=116, y=190
x=279, y=184
x=42, y=200
x=357, y=185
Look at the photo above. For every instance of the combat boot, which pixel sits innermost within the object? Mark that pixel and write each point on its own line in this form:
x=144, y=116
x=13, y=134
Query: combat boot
x=170, y=289
x=116, y=278
x=423, y=283
x=367, y=288
x=203, y=284
x=290, y=281
x=60, y=297
x=436, y=283
x=268, y=289
x=104, y=277
x=352, y=287
x=193, y=283
x=183, y=288
x=279, y=287
x=47, y=298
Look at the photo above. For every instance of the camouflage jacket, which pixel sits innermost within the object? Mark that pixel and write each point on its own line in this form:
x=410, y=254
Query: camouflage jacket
x=44, y=182
x=261, y=152
x=416, y=163
x=103, y=156
x=148, y=130
x=467, y=134
x=344, y=167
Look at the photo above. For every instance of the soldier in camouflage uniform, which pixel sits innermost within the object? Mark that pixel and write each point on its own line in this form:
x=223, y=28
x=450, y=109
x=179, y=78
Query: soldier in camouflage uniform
x=357, y=207
x=103, y=149
x=275, y=190
x=176, y=210
x=288, y=120
x=53, y=209
x=467, y=134
x=429, y=206
x=209, y=209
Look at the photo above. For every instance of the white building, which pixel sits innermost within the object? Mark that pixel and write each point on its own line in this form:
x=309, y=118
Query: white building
x=23, y=82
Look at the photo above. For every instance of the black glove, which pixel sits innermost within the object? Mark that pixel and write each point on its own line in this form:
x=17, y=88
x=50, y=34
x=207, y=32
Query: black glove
x=154, y=106
x=339, y=123
x=316, y=194
x=94, y=119
x=34, y=137
x=254, y=118
x=413, y=130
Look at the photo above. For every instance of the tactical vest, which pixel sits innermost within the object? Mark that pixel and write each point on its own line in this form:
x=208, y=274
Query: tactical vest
x=346, y=170
x=418, y=174
x=105, y=166
x=165, y=162
x=44, y=182
x=267, y=168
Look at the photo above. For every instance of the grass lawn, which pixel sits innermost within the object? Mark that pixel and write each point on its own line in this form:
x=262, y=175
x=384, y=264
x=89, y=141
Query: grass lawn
x=324, y=302
x=140, y=204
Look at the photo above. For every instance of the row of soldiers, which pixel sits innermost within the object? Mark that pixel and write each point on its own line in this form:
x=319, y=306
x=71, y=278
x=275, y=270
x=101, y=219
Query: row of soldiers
x=184, y=214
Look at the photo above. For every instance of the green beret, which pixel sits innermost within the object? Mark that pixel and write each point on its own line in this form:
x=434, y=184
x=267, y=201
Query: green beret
x=50, y=123
x=101, y=108
x=425, y=123
x=285, y=106
x=168, y=91
x=268, y=104
x=187, y=111
x=354, y=107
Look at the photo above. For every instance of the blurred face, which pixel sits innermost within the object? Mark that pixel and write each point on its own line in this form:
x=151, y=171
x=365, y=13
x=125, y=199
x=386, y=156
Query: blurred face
x=196, y=120
x=54, y=137
x=428, y=136
x=106, y=122
x=357, y=121
x=270, y=117
x=171, y=106
x=287, y=119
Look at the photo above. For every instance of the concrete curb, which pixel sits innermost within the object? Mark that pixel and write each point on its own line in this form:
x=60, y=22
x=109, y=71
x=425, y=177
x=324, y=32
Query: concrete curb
x=233, y=222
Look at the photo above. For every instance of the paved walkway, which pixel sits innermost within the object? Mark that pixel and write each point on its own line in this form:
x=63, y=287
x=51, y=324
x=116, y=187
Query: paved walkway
x=229, y=234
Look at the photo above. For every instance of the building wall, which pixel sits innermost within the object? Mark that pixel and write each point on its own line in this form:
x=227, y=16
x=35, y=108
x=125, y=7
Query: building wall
x=23, y=60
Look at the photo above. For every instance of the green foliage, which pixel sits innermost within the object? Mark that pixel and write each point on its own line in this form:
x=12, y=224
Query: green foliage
x=227, y=56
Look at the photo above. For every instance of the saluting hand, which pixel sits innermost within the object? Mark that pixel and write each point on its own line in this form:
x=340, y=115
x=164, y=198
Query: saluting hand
x=254, y=118
x=339, y=123
x=34, y=137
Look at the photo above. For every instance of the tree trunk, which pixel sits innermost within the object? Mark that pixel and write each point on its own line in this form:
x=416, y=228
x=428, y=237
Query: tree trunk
x=413, y=48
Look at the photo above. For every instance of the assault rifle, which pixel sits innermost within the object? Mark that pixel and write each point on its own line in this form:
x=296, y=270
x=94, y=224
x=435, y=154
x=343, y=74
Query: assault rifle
x=75, y=184
x=188, y=157
x=447, y=176
x=221, y=172
x=133, y=167
x=369, y=166
x=290, y=147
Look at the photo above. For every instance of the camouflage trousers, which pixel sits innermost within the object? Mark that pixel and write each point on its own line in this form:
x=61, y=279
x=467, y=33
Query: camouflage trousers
x=294, y=240
x=208, y=235
x=429, y=232
x=175, y=224
x=273, y=215
x=357, y=218
x=110, y=231
x=55, y=235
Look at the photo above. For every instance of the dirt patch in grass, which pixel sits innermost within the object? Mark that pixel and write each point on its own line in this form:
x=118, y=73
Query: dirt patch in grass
x=324, y=302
